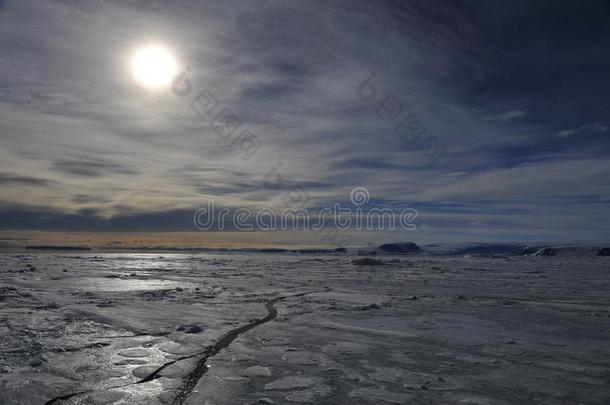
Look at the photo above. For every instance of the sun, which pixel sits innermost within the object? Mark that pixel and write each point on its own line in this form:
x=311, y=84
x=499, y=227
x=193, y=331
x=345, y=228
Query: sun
x=153, y=66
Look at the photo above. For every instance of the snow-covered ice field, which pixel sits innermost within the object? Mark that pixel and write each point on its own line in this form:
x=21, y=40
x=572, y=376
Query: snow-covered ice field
x=302, y=328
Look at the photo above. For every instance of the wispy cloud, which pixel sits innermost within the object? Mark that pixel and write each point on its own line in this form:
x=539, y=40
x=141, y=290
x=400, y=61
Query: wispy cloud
x=91, y=168
x=11, y=178
x=504, y=106
x=595, y=127
x=507, y=115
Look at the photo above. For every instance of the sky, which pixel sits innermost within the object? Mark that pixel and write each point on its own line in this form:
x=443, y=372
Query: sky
x=509, y=100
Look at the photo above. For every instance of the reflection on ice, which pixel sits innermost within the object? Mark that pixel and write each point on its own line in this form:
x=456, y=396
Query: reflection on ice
x=120, y=284
x=432, y=330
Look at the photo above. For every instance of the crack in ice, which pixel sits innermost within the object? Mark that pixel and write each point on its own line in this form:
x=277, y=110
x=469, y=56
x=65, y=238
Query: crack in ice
x=201, y=367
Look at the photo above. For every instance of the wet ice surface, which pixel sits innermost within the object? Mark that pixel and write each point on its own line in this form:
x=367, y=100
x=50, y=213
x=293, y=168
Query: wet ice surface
x=138, y=329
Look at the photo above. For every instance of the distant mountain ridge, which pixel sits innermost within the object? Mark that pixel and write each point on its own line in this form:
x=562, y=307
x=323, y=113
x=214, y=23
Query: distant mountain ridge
x=512, y=249
x=393, y=248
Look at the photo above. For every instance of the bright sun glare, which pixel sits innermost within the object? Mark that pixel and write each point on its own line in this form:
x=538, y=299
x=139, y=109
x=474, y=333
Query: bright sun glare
x=153, y=66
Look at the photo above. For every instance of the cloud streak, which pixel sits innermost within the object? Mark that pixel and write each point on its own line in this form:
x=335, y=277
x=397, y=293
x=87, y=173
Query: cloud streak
x=505, y=88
